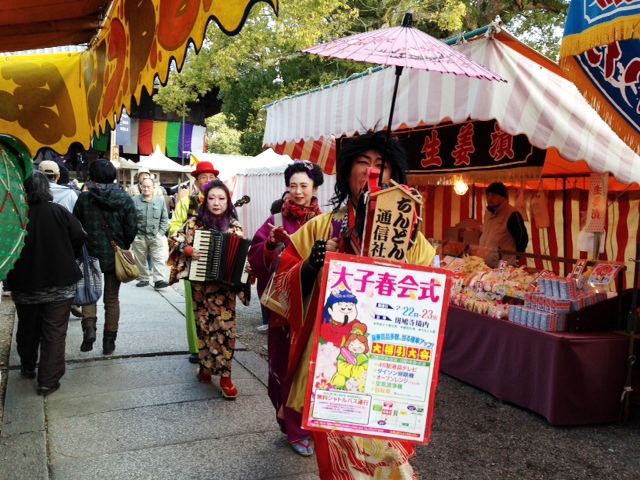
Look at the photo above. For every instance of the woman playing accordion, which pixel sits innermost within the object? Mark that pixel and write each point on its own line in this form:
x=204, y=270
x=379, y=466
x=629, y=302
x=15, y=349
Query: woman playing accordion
x=214, y=302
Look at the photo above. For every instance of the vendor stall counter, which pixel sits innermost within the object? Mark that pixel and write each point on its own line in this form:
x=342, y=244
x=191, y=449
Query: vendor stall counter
x=569, y=378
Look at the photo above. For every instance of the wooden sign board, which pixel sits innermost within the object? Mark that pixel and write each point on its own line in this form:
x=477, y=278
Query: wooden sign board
x=389, y=234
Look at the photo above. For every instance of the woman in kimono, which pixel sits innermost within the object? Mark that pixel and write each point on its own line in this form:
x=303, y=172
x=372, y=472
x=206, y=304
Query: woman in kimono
x=343, y=457
x=214, y=303
x=302, y=179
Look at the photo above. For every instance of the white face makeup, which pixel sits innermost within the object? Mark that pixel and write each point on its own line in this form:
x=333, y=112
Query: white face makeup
x=301, y=189
x=217, y=201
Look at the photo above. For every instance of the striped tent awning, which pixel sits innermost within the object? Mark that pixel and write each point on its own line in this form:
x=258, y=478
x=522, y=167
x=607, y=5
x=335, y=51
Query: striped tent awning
x=537, y=101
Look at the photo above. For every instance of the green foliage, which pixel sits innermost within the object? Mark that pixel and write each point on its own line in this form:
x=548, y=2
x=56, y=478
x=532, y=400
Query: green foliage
x=264, y=62
x=538, y=24
x=220, y=138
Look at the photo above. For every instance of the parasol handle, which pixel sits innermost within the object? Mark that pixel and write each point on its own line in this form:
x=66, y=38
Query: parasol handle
x=388, y=136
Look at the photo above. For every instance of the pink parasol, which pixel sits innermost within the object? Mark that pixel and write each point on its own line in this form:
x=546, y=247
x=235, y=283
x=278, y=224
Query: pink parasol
x=401, y=47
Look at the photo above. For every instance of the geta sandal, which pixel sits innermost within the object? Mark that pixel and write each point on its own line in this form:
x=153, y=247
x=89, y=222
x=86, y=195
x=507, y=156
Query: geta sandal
x=303, y=447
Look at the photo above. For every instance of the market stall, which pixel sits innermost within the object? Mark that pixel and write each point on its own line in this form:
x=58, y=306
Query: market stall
x=457, y=129
x=558, y=141
x=569, y=378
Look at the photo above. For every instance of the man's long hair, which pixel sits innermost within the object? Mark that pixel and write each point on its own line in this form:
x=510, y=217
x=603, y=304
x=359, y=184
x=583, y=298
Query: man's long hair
x=393, y=153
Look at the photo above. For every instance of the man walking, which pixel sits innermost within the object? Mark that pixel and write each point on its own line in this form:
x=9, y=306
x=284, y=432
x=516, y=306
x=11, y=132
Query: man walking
x=153, y=219
x=62, y=195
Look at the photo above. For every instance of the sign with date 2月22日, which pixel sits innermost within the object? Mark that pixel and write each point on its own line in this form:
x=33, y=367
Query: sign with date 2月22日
x=376, y=348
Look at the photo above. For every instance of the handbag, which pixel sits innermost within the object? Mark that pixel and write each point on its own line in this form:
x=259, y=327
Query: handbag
x=126, y=266
x=89, y=287
x=270, y=298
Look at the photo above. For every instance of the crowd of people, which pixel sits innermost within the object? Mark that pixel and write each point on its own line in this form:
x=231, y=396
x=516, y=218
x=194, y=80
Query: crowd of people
x=286, y=252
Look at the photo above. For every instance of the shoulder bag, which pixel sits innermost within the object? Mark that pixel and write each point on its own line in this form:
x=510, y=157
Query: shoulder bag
x=270, y=298
x=126, y=267
x=89, y=287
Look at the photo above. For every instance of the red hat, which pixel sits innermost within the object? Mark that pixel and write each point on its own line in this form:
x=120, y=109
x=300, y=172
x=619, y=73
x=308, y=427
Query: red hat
x=204, y=167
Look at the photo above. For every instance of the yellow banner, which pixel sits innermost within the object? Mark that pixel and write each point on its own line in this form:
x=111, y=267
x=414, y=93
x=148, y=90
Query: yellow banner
x=43, y=101
x=52, y=100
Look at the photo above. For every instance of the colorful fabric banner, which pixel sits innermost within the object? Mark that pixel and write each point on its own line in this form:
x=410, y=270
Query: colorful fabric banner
x=184, y=145
x=599, y=54
x=145, y=137
x=54, y=100
x=173, y=139
x=43, y=100
x=599, y=22
x=159, y=135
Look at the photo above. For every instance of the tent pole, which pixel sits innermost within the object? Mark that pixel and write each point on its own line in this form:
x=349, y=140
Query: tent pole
x=567, y=228
x=473, y=200
x=632, y=320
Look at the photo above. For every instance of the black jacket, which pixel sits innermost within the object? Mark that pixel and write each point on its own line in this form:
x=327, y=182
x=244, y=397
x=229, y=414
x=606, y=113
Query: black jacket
x=54, y=240
x=120, y=215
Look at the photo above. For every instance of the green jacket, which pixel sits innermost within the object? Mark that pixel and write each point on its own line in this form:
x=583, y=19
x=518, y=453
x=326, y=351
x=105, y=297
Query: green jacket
x=120, y=215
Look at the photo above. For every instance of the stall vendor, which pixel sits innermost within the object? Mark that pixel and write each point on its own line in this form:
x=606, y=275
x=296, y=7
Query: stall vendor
x=503, y=227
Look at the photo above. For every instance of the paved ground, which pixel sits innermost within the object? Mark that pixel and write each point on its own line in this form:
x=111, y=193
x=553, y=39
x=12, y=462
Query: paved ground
x=141, y=414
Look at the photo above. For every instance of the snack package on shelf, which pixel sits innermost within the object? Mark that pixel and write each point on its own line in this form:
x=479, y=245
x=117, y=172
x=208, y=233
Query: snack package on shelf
x=547, y=299
x=548, y=307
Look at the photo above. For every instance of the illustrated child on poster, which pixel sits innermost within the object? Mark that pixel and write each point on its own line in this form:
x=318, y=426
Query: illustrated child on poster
x=340, y=312
x=353, y=360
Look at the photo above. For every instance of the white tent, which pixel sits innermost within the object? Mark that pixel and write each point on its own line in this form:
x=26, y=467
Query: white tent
x=262, y=180
x=227, y=165
x=157, y=163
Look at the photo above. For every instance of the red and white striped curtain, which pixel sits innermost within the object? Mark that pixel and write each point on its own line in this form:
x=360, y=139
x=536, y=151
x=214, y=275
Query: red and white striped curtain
x=444, y=209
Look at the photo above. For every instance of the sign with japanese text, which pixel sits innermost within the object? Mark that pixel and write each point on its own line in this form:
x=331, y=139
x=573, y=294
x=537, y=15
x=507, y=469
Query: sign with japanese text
x=467, y=147
x=597, y=204
x=390, y=232
x=376, y=350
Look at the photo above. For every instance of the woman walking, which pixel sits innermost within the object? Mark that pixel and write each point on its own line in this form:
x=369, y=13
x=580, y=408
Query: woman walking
x=105, y=203
x=43, y=284
x=214, y=303
x=302, y=179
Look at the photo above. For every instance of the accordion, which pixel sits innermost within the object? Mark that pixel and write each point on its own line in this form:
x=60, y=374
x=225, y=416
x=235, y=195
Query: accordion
x=223, y=257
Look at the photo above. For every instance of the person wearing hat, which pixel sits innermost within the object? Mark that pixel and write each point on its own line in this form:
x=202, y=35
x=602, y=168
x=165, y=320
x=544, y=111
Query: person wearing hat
x=143, y=174
x=188, y=207
x=62, y=195
x=503, y=227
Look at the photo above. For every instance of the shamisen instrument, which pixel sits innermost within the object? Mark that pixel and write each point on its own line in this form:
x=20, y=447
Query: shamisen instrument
x=223, y=257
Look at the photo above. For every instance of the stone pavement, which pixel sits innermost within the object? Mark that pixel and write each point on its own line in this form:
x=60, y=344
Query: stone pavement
x=140, y=413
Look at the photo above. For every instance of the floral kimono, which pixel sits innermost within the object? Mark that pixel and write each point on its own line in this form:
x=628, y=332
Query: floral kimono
x=214, y=304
